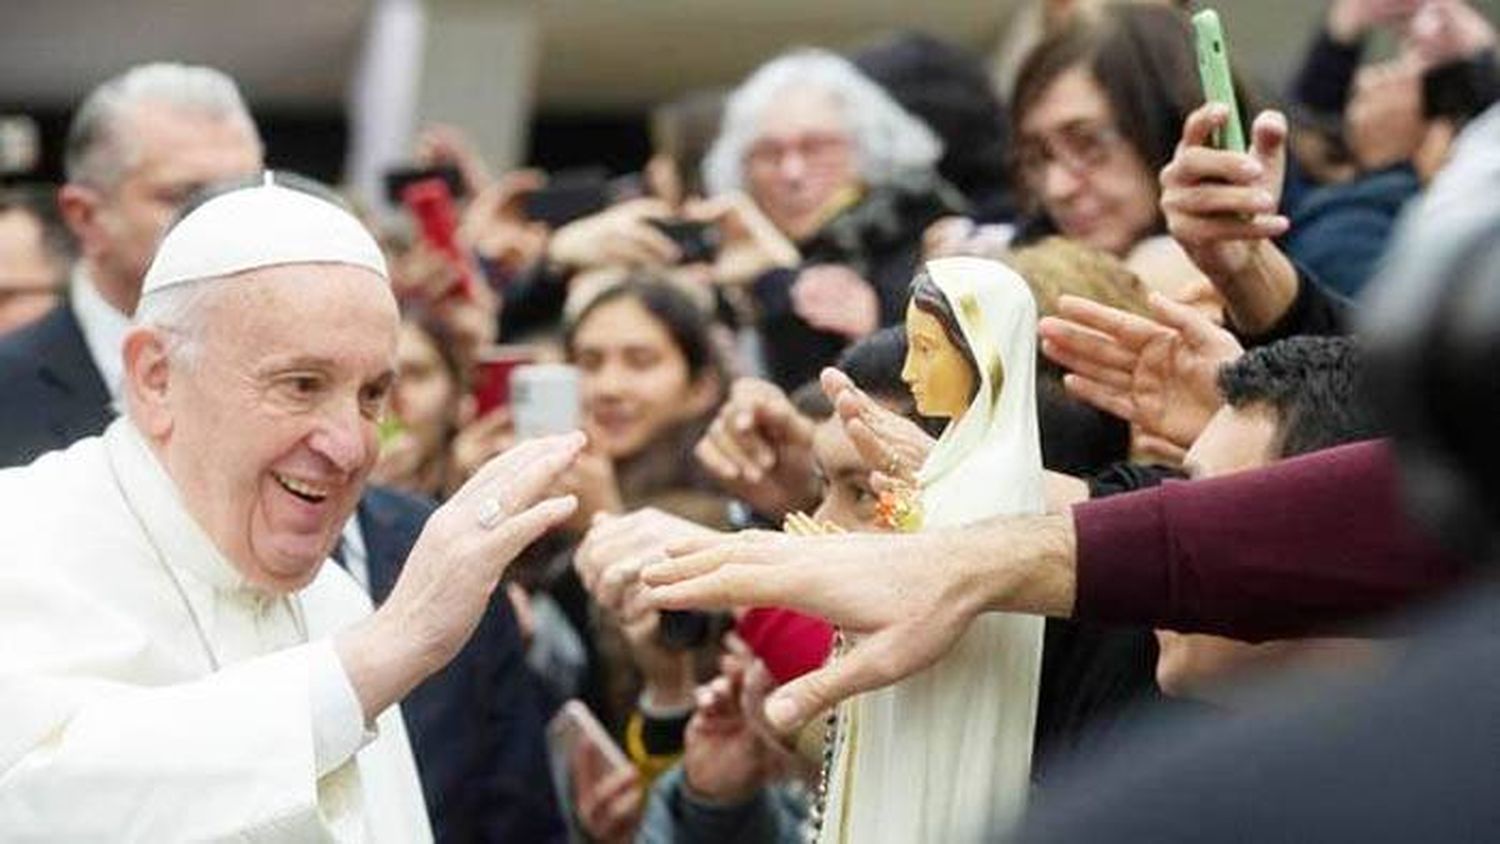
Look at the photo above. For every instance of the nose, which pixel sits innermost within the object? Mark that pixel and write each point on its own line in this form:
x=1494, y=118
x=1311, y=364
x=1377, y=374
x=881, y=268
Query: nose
x=345, y=437
x=1059, y=181
x=793, y=167
x=608, y=381
x=909, y=369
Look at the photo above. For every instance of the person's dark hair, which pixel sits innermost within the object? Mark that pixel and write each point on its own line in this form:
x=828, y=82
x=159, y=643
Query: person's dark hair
x=1312, y=383
x=947, y=86
x=929, y=298
x=685, y=322
x=682, y=130
x=39, y=202
x=1141, y=55
x=449, y=348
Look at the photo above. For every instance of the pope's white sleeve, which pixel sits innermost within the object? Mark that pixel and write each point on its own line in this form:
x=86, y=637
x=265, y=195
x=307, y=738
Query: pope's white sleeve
x=338, y=719
x=229, y=755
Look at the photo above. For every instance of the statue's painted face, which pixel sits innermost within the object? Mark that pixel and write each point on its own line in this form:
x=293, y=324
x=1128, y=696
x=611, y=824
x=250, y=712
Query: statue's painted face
x=940, y=377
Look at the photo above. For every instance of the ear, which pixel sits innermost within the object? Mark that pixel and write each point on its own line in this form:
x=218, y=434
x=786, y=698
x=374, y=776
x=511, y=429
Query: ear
x=467, y=410
x=79, y=207
x=147, y=379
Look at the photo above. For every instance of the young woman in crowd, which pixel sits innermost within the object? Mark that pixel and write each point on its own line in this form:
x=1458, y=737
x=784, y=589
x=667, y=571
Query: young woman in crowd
x=428, y=405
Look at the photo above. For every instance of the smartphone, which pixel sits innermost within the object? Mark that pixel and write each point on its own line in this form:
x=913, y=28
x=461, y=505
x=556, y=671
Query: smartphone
x=698, y=242
x=583, y=746
x=1456, y=89
x=492, y=369
x=544, y=399
x=397, y=179
x=1213, y=72
x=561, y=203
x=430, y=203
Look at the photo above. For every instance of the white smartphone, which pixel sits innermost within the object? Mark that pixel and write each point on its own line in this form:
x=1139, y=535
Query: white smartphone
x=544, y=399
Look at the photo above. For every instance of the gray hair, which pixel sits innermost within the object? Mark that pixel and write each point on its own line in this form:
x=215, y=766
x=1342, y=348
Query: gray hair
x=890, y=144
x=99, y=153
x=178, y=312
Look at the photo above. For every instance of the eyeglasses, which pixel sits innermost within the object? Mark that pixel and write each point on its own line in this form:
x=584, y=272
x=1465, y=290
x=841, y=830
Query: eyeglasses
x=816, y=148
x=1080, y=147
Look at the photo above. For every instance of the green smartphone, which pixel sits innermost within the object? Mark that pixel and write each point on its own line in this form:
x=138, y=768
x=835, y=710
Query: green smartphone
x=1213, y=71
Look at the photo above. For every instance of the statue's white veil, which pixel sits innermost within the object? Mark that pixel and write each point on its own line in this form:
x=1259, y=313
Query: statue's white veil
x=945, y=755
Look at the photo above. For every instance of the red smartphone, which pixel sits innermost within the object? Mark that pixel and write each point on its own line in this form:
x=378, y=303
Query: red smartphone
x=431, y=204
x=590, y=754
x=492, y=368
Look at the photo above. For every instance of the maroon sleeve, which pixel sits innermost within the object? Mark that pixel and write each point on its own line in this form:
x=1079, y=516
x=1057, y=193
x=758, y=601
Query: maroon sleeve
x=1304, y=546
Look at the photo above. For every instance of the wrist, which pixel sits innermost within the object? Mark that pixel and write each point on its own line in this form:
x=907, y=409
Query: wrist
x=1260, y=292
x=1037, y=575
x=382, y=665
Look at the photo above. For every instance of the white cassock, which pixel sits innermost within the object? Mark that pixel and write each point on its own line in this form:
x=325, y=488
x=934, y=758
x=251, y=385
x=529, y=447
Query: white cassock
x=945, y=755
x=147, y=694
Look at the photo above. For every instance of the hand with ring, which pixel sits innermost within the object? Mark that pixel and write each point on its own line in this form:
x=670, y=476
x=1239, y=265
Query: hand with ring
x=456, y=564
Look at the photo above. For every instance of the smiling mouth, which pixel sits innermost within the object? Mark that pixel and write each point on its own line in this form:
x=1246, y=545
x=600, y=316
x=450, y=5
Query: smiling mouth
x=308, y=492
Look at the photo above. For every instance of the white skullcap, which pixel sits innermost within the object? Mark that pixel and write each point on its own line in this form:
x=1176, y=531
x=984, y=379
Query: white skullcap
x=262, y=226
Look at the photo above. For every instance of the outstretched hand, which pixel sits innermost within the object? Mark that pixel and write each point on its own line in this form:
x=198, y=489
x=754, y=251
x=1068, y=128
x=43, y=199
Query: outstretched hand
x=892, y=446
x=901, y=604
x=1161, y=376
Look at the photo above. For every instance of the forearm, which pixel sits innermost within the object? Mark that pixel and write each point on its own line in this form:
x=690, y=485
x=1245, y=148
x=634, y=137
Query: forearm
x=383, y=661
x=1262, y=292
x=1017, y=564
x=1304, y=546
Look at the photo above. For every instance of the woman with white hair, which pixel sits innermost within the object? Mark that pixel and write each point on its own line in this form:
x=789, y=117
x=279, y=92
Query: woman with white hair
x=822, y=185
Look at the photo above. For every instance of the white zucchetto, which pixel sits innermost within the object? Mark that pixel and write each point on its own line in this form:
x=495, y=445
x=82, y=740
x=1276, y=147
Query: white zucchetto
x=262, y=226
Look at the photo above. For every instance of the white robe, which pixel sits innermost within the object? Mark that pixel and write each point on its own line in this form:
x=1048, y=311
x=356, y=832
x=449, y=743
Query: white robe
x=945, y=755
x=114, y=725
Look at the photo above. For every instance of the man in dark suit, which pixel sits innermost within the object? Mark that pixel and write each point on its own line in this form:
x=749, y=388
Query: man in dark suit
x=139, y=147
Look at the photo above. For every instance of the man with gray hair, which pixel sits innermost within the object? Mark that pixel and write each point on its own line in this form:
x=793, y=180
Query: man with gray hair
x=139, y=146
x=180, y=664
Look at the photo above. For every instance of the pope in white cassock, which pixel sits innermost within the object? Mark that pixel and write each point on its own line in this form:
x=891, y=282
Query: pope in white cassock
x=176, y=660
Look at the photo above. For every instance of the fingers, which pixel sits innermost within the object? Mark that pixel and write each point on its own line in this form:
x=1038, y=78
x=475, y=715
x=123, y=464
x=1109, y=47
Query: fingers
x=1107, y=398
x=1087, y=352
x=508, y=539
x=870, y=664
x=1200, y=331
x=522, y=475
x=1127, y=328
x=1198, y=130
x=834, y=382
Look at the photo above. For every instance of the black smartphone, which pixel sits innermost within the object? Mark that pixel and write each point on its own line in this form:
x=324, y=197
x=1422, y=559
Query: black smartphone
x=398, y=179
x=1459, y=89
x=568, y=196
x=698, y=242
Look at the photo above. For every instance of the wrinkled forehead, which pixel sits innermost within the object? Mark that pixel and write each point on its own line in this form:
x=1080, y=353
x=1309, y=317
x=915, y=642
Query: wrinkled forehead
x=333, y=310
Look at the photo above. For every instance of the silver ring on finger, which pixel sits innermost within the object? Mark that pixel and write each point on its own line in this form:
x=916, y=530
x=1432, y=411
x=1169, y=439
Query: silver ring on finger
x=490, y=513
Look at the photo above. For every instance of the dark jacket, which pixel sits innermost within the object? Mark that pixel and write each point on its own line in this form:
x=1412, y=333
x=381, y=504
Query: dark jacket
x=1339, y=232
x=880, y=239
x=476, y=726
x=51, y=394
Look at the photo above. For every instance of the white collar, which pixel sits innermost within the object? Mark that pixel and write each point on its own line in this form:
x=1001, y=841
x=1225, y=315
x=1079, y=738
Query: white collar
x=103, y=327
x=153, y=498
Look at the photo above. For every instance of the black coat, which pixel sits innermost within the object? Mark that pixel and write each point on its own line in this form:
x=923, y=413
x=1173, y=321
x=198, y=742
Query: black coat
x=51, y=394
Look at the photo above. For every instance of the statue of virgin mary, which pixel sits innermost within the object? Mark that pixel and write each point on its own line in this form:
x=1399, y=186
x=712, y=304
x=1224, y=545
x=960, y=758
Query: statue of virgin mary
x=945, y=755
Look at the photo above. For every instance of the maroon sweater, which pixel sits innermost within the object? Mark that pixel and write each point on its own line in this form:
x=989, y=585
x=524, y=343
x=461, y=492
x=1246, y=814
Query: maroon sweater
x=1296, y=548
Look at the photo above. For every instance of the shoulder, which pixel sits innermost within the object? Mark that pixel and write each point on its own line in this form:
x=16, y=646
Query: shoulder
x=23, y=348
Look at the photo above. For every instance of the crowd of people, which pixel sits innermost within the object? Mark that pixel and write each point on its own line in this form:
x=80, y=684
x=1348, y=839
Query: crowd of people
x=955, y=463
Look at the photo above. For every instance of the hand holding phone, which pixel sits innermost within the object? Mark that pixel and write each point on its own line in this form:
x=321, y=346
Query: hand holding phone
x=1218, y=83
x=431, y=205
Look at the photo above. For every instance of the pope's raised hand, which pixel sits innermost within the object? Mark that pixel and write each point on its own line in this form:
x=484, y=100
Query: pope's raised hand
x=456, y=564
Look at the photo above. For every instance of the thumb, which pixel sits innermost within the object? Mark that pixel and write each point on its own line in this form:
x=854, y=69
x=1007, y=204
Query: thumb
x=1268, y=145
x=867, y=665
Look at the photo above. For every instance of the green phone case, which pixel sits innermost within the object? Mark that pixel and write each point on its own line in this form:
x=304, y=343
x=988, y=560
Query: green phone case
x=1213, y=71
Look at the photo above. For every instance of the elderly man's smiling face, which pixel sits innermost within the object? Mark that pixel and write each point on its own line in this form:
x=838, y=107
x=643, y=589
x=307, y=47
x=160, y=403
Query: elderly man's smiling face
x=269, y=427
